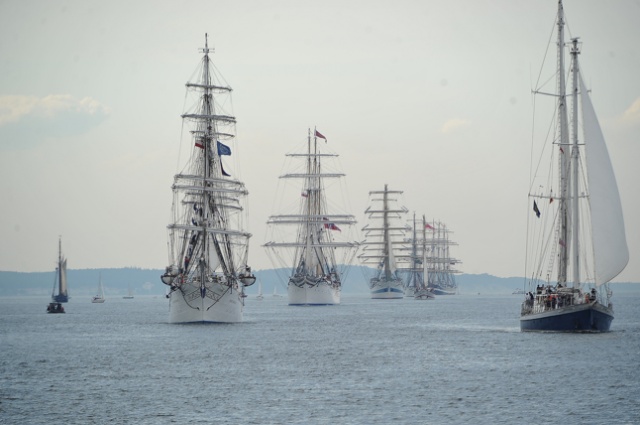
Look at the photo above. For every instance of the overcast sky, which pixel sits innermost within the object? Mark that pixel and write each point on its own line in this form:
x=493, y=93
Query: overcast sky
x=430, y=97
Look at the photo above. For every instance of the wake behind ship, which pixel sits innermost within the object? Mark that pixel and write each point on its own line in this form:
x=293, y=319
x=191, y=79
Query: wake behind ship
x=208, y=247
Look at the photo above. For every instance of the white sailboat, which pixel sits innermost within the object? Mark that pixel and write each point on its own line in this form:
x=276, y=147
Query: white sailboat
x=383, y=235
x=129, y=295
x=208, y=247
x=319, y=245
x=576, y=237
x=99, y=297
x=260, y=296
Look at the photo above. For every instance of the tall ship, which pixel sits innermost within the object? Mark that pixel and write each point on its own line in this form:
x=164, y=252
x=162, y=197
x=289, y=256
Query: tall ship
x=442, y=266
x=208, y=246
x=576, y=239
x=60, y=293
x=312, y=239
x=384, y=238
x=416, y=275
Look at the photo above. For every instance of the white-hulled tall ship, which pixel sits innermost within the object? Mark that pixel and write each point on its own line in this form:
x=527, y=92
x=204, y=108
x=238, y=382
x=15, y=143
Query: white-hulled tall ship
x=442, y=266
x=208, y=246
x=315, y=242
x=383, y=236
x=576, y=239
x=417, y=283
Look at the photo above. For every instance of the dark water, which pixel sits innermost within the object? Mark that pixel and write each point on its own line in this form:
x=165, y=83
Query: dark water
x=458, y=359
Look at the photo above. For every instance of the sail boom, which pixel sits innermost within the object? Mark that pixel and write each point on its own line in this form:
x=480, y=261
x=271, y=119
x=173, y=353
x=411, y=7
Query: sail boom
x=307, y=175
x=222, y=118
x=209, y=230
x=208, y=189
x=212, y=87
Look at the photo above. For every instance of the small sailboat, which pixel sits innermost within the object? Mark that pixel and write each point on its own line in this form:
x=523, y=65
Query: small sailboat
x=99, y=297
x=384, y=234
x=208, y=246
x=260, y=296
x=319, y=247
x=576, y=235
x=129, y=295
x=60, y=283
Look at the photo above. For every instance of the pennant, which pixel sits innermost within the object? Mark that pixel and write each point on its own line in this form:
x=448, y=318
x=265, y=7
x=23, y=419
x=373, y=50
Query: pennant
x=305, y=194
x=561, y=150
x=428, y=226
x=535, y=209
x=318, y=134
x=199, y=144
x=562, y=244
x=223, y=149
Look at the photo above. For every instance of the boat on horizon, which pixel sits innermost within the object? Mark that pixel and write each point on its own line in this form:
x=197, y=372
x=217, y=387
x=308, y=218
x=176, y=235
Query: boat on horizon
x=576, y=236
x=99, y=297
x=319, y=244
x=59, y=284
x=384, y=235
x=208, y=246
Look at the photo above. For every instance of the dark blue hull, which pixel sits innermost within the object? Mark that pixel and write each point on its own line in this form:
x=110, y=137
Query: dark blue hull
x=592, y=317
x=61, y=298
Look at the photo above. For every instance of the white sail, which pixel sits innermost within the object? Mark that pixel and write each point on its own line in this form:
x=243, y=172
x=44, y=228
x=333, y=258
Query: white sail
x=609, y=241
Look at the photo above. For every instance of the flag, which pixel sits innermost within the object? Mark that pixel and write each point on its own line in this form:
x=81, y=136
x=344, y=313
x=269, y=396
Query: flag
x=561, y=242
x=199, y=144
x=329, y=225
x=535, y=209
x=223, y=149
x=428, y=226
x=305, y=194
x=561, y=150
x=318, y=134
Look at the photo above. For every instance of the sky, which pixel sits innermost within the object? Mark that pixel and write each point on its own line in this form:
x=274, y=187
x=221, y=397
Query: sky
x=429, y=97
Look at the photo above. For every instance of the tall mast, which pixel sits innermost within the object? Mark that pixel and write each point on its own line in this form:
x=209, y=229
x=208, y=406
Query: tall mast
x=564, y=145
x=575, y=158
x=386, y=238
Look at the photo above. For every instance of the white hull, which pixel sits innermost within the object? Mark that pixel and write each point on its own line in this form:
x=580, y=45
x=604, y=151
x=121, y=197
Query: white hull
x=97, y=300
x=385, y=290
x=320, y=294
x=228, y=308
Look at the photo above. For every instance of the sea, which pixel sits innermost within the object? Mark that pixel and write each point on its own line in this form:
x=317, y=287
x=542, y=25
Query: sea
x=454, y=360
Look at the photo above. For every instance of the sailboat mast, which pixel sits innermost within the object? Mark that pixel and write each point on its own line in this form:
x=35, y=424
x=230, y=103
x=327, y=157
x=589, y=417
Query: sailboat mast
x=310, y=200
x=575, y=158
x=564, y=159
x=387, y=239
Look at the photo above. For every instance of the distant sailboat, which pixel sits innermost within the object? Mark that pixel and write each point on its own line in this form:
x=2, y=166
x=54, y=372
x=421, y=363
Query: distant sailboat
x=420, y=263
x=99, y=297
x=260, y=296
x=383, y=235
x=60, y=283
x=577, y=232
x=129, y=295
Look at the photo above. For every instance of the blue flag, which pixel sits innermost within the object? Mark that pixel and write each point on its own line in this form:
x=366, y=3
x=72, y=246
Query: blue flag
x=223, y=149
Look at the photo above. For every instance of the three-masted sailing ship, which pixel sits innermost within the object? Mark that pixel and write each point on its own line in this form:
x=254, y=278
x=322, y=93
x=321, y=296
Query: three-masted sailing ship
x=417, y=275
x=315, y=242
x=576, y=237
x=59, y=284
x=208, y=246
x=442, y=266
x=384, y=236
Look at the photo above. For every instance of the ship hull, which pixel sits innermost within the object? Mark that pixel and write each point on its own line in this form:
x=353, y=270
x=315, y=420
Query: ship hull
x=213, y=304
x=319, y=294
x=61, y=298
x=589, y=317
x=387, y=290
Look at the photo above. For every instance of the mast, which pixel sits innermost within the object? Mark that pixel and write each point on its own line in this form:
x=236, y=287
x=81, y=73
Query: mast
x=564, y=145
x=386, y=238
x=575, y=159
